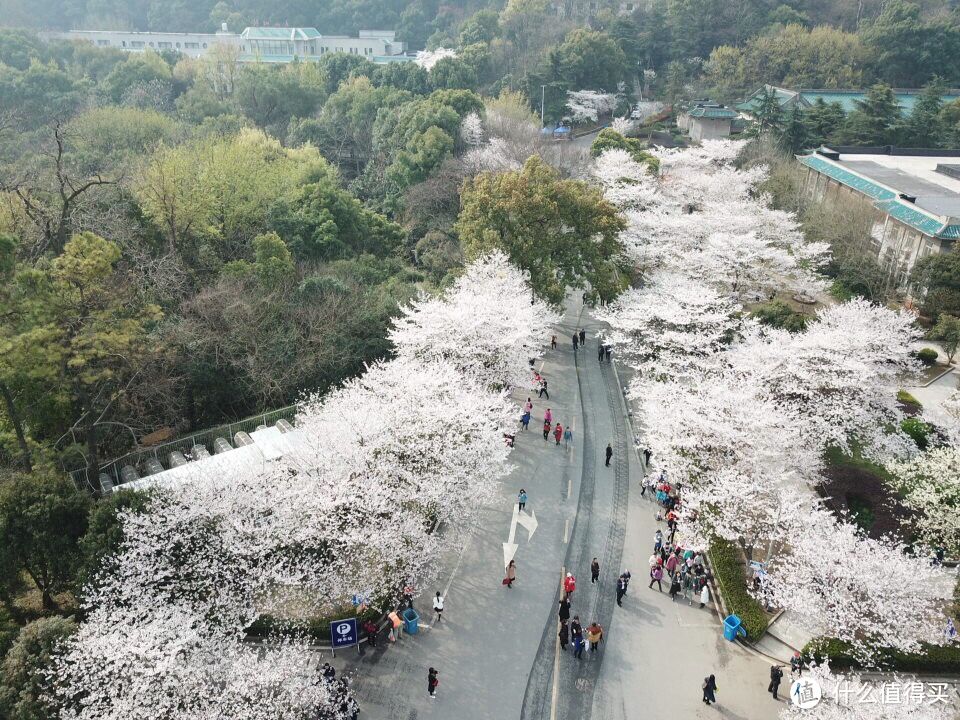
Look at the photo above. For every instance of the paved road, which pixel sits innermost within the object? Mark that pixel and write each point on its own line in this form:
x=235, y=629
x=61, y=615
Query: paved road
x=496, y=649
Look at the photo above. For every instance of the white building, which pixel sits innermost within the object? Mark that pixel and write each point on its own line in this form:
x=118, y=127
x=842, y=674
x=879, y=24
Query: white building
x=915, y=195
x=254, y=44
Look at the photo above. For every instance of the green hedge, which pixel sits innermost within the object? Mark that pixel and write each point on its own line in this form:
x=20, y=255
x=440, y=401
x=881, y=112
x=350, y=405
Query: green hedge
x=918, y=431
x=728, y=570
x=318, y=629
x=933, y=659
x=928, y=356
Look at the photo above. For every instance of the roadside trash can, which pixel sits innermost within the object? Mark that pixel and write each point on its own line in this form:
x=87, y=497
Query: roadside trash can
x=732, y=627
x=411, y=621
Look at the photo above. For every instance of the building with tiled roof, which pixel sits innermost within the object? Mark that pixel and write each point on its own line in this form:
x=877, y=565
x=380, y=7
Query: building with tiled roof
x=914, y=193
x=707, y=121
x=847, y=99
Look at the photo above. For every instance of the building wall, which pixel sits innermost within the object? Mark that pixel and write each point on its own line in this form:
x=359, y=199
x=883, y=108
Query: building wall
x=192, y=44
x=897, y=245
x=709, y=128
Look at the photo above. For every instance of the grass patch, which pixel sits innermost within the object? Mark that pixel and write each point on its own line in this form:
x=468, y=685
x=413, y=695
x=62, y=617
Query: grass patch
x=731, y=577
x=908, y=399
x=838, y=459
x=939, y=659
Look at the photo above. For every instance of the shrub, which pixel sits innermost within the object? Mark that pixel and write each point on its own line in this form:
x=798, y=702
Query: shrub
x=728, y=570
x=939, y=659
x=928, y=356
x=780, y=315
x=908, y=399
x=918, y=430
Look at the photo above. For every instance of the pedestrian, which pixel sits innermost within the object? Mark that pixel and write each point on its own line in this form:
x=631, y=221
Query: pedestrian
x=626, y=580
x=609, y=454
x=569, y=584
x=567, y=437
x=671, y=565
x=564, y=634
x=371, y=629
x=438, y=605
x=528, y=406
x=599, y=351
x=657, y=540
x=621, y=590
x=525, y=421
x=796, y=663
x=674, y=587
x=511, y=574
x=433, y=680
x=606, y=352
x=646, y=457
x=558, y=433
x=776, y=675
x=704, y=594
x=656, y=575
x=578, y=645
x=564, y=611
x=553, y=342
x=548, y=416
x=546, y=429
x=543, y=388
x=710, y=689
x=522, y=499
x=594, y=571
x=594, y=635
x=576, y=341
x=643, y=486
x=583, y=337
x=687, y=583
x=329, y=672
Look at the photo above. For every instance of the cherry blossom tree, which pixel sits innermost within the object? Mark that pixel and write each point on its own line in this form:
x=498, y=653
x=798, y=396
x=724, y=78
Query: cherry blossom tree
x=428, y=58
x=588, y=105
x=621, y=125
x=625, y=182
x=471, y=130
x=864, y=591
x=929, y=485
x=488, y=325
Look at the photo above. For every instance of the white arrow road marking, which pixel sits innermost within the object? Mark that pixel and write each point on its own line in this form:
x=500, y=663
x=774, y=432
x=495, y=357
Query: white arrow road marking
x=528, y=521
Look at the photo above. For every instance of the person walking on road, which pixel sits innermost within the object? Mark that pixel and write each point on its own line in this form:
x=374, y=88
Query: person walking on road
x=609, y=454
x=704, y=595
x=525, y=420
x=564, y=611
x=796, y=664
x=438, y=605
x=621, y=590
x=710, y=689
x=564, y=634
x=776, y=675
x=656, y=575
x=543, y=388
x=567, y=437
x=576, y=632
x=546, y=429
x=647, y=453
x=599, y=351
x=548, y=416
x=606, y=352
x=626, y=580
x=657, y=541
x=583, y=337
x=576, y=342
x=594, y=571
x=569, y=584
x=521, y=499
x=432, y=681
x=511, y=574
x=553, y=342
x=528, y=406
x=674, y=587
x=594, y=635
x=558, y=433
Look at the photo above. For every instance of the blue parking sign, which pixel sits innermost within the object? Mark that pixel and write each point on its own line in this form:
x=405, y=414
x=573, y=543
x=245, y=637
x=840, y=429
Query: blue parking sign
x=344, y=632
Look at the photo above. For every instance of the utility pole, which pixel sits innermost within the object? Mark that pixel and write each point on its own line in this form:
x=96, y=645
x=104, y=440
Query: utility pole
x=543, y=95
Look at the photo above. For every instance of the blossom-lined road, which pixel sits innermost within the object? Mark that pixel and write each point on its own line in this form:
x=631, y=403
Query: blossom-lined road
x=496, y=649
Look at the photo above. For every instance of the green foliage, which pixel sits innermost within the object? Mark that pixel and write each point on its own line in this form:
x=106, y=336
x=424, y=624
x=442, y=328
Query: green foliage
x=728, y=570
x=591, y=59
x=137, y=70
x=609, y=139
x=907, y=399
x=928, y=356
x=42, y=518
x=947, y=331
x=25, y=672
x=271, y=95
x=933, y=659
x=918, y=431
x=105, y=533
x=561, y=231
x=875, y=119
x=780, y=315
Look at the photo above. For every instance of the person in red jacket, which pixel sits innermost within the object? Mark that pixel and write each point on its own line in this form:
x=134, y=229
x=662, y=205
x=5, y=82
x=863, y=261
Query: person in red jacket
x=558, y=433
x=569, y=584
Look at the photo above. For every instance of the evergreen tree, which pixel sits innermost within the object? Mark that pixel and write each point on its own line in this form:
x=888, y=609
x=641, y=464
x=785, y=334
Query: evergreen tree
x=823, y=119
x=794, y=136
x=924, y=127
x=875, y=119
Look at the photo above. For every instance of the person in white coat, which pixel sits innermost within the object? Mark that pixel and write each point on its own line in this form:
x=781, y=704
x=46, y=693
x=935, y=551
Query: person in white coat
x=438, y=605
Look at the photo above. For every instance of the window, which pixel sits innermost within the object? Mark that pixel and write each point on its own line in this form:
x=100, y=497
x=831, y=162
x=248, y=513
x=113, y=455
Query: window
x=191, y=46
x=136, y=43
x=123, y=43
x=103, y=43
x=178, y=45
x=368, y=51
x=204, y=46
x=151, y=43
x=339, y=49
x=353, y=51
x=164, y=45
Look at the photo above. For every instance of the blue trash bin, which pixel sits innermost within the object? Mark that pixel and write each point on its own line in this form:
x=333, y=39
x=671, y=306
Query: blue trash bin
x=732, y=628
x=411, y=621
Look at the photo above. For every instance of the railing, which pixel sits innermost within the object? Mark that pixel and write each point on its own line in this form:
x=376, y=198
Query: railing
x=137, y=458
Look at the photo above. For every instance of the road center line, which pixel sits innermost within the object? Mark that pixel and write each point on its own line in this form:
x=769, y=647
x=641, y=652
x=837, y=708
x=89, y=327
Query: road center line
x=566, y=530
x=556, y=658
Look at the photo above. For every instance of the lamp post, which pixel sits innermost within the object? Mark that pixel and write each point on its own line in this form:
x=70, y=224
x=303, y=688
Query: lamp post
x=543, y=95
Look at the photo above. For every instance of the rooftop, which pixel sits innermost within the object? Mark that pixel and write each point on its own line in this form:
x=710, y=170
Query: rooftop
x=905, y=184
x=805, y=97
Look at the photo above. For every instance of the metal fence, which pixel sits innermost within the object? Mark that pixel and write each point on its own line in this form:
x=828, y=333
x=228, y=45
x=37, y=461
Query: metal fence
x=137, y=458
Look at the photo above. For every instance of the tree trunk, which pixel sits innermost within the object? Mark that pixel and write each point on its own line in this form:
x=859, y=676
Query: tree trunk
x=17, y=421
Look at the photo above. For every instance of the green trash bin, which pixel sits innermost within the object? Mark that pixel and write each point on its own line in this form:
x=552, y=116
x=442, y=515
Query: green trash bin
x=411, y=621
